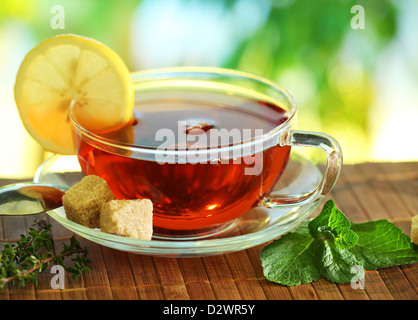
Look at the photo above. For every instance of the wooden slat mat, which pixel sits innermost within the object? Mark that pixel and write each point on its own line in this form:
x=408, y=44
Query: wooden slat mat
x=364, y=192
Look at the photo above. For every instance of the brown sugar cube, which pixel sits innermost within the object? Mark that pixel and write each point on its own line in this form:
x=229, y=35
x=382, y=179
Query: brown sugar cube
x=129, y=218
x=414, y=229
x=82, y=202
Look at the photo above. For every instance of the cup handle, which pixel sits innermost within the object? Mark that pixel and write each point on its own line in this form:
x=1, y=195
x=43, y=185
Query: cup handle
x=332, y=170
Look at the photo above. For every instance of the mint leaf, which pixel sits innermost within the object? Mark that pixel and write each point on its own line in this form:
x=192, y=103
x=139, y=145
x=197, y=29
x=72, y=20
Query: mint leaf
x=382, y=244
x=290, y=260
x=335, y=263
x=330, y=246
x=347, y=239
x=297, y=258
x=333, y=225
x=317, y=225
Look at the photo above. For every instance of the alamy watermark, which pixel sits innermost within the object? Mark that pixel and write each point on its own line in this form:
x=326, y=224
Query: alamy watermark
x=58, y=19
x=58, y=280
x=215, y=146
x=358, y=21
x=357, y=281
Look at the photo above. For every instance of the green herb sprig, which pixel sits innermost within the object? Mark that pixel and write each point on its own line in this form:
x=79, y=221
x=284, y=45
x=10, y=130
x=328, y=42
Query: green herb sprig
x=331, y=247
x=20, y=263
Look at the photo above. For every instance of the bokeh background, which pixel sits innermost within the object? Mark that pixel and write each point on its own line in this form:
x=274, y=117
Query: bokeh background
x=358, y=84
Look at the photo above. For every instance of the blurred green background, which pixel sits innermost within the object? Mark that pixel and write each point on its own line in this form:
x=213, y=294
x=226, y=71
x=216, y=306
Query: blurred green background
x=359, y=85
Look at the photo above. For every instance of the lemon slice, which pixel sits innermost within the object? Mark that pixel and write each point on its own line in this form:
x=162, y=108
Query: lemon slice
x=70, y=69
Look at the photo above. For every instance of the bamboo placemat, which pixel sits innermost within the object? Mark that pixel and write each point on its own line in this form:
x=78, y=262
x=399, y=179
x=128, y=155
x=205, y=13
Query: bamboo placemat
x=363, y=192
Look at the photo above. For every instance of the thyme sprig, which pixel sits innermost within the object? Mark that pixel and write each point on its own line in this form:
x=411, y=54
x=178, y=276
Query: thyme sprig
x=22, y=262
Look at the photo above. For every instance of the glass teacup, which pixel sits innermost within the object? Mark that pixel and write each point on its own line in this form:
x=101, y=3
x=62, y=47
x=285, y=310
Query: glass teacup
x=206, y=145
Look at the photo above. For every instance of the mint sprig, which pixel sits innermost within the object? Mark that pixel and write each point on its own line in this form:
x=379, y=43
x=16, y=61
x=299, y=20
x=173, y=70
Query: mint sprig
x=331, y=247
x=333, y=225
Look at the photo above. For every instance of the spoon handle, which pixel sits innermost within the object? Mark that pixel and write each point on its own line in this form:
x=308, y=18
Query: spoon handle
x=30, y=198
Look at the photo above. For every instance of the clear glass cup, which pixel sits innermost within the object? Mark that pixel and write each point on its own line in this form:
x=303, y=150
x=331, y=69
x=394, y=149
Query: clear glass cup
x=175, y=153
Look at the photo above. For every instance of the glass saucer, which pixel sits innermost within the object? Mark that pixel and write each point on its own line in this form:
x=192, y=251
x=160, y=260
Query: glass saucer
x=256, y=227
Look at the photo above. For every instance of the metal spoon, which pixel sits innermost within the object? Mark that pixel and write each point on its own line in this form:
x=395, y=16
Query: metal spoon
x=30, y=198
